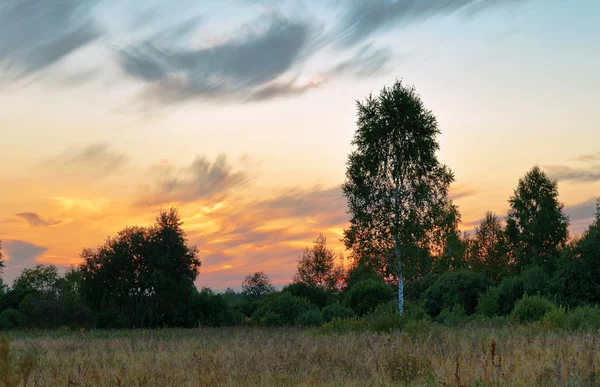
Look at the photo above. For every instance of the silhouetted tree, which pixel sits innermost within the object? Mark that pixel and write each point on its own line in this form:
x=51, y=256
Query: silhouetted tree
x=396, y=188
x=489, y=246
x=145, y=275
x=1, y=258
x=317, y=267
x=582, y=275
x=536, y=226
x=256, y=286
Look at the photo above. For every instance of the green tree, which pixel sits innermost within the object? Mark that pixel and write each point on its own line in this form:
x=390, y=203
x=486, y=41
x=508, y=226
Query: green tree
x=145, y=275
x=397, y=190
x=490, y=255
x=257, y=286
x=536, y=226
x=582, y=275
x=317, y=267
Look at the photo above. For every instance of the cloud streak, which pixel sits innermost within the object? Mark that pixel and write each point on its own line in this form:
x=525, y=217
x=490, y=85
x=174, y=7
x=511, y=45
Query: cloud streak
x=566, y=173
x=95, y=160
x=35, y=220
x=36, y=34
x=202, y=180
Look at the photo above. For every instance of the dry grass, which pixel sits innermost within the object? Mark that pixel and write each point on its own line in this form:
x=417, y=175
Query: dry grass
x=517, y=356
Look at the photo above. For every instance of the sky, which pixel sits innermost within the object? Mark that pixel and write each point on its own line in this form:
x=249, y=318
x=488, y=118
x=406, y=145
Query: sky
x=241, y=114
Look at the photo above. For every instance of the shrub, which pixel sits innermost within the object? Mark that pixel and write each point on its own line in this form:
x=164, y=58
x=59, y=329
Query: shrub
x=488, y=303
x=108, y=319
x=316, y=295
x=11, y=319
x=584, y=317
x=342, y=326
x=287, y=306
x=272, y=319
x=336, y=311
x=384, y=318
x=367, y=295
x=403, y=366
x=415, y=288
x=536, y=281
x=312, y=318
x=531, y=308
x=452, y=316
x=511, y=290
x=556, y=318
x=455, y=287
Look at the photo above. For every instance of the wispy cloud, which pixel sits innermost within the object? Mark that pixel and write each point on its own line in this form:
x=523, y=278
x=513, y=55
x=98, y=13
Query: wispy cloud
x=203, y=179
x=36, y=34
x=566, y=173
x=590, y=157
x=95, y=160
x=35, y=220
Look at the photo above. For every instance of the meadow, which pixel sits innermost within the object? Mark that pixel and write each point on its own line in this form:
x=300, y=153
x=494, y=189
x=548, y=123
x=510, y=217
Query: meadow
x=424, y=354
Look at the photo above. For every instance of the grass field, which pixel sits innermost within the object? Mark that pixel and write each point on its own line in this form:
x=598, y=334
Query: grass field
x=434, y=355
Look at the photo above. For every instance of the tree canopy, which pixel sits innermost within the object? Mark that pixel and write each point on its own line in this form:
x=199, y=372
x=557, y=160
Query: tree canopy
x=317, y=266
x=145, y=275
x=396, y=188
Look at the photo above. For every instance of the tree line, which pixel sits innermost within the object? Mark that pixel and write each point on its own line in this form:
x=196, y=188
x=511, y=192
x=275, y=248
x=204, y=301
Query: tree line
x=408, y=258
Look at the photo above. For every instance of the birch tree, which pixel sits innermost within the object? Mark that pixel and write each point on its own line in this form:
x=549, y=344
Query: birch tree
x=397, y=190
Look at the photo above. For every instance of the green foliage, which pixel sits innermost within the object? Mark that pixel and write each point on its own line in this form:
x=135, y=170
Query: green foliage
x=342, y=326
x=213, y=310
x=488, y=304
x=284, y=304
x=367, y=295
x=512, y=289
x=257, y=286
x=333, y=311
x=453, y=316
x=582, y=275
x=415, y=288
x=14, y=371
x=384, y=319
x=147, y=274
x=536, y=226
x=405, y=367
x=536, y=281
x=108, y=319
x=11, y=319
x=397, y=190
x=312, y=318
x=531, y=309
x=272, y=319
x=585, y=318
x=556, y=318
x=490, y=254
x=317, y=267
x=361, y=271
x=317, y=295
x=461, y=287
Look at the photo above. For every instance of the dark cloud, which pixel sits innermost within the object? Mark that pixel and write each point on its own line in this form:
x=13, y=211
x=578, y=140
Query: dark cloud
x=35, y=220
x=201, y=180
x=95, y=160
x=581, y=211
x=566, y=173
x=364, y=18
x=234, y=69
x=36, y=34
x=21, y=253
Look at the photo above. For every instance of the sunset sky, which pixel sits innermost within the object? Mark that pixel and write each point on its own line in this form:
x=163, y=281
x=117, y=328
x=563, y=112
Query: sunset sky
x=241, y=113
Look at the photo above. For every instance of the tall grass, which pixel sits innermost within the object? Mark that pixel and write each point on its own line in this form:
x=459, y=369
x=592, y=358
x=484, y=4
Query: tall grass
x=435, y=356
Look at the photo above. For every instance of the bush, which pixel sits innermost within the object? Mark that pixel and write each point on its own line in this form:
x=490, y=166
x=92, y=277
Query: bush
x=367, y=295
x=316, y=295
x=536, y=281
x=11, y=319
x=312, y=318
x=342, y=326
x=108, y=319
x=511, y=290
x=415, y=288
x=453, y=316
x=556, y=318
x=584, y=317
x=384, y=318
x=272, y=319
x=455, y=287
x=531, y=309
x=488, y=304
x=287, y=306
x=333, y=311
